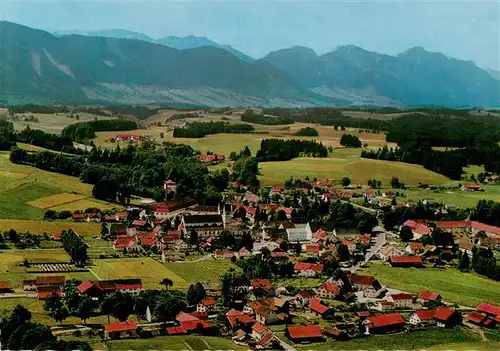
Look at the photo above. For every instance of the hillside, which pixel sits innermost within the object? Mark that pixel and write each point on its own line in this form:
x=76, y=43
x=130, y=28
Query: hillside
x=414, y=77
x=40, y=67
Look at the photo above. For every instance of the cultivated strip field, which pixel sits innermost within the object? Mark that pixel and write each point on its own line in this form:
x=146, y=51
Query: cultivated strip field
x=49, y=227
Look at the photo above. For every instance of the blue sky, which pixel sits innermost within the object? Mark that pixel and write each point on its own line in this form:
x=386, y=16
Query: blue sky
x=466, y=30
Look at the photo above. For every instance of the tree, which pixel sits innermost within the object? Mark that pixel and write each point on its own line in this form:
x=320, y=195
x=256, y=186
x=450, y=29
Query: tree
x=234, y=286
x=346, y=181
x=60, y=314
x=343, y=252
x=193, y=237
x=464, y=262
x=195, y=294
x=349, y=140
x=298, y=248
x=395, y=183
x=52, y=303
x=167, y=283
x=405, y=234
x=85, y=308
x=104, y=229
x=247, y=241
x=108, y=305
x=50, y=215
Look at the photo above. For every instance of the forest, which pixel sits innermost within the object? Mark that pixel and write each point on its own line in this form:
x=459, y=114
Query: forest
x=307, y=131
x=284, y=150
x=201, y=129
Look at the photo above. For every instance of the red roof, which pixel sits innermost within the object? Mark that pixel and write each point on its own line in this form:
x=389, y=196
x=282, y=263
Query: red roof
x=305, y=266
x=5, y=286
x=428, y=296
x=261, y=283
x=361, y=279
x=128, y=286
x=406, y=259
x=78, y=216
x=304, y=331
x=312, y=248
x=139, y=223
x=277, y=189
x=120, y=326
x=452, y=224
x=363, y=314
x=56, y=236
x=162, y=210
x=418, y=227
x=241, y=319
x=169, y=182
x=487, y=228
x=178, y=330
x=123, y=242
x=317, y=306
x=209, y=301
x=128, y=136
x=443, y=313
x=416, y=246
x=45, y=291
x=402, y=296
x=86, y=285
x=472, y=186
x=287, y=210
x=425, y=315
x=476, y=317
x=489, y=308
x=259, y=328
x=147, y=239
x=386, y=319
x=330, y=287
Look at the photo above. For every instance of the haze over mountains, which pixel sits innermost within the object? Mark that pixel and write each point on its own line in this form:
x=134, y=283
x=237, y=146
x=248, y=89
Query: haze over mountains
x=126, y=67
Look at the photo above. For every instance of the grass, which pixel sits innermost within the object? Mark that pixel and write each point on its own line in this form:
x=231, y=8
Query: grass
x=202, y=271
x=26, y=192
x=467, y=289
x=150, y=271
x=346, y=163
x=53, y=123
x=426, y=339
x=185, y=342
x=456, y=197
x=49, y=227
x=12, y=271
x=55, y=200
x=84, y=204
x=301, y=283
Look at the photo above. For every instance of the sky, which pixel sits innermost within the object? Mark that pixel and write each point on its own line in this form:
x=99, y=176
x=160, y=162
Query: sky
x=468, y=30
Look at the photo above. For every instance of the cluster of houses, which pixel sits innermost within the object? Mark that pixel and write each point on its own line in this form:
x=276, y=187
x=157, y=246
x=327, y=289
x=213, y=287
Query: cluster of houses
x=211, y=159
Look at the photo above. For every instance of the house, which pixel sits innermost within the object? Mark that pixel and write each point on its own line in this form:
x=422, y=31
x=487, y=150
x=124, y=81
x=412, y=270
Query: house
x=96, y=288
x=5, y=287
x=260, y=332
x=311, y=249
x=194, y=324
x=489, y=309
x=447, y=318
x=421, y=316
x=205, y=224
x=429, y=296
x=94, y=216
x=387, y=252
x=240, y=320
x=44, y=292
x=126, y=243
x=262, y=284
x=161, y=212
x=135, y=137
x=336, y=333
x=301, y=233
x=118, y=229
x=328, y=290
x=304, y=296
x=402, y=300
x=228, y=254
x=362, y=315
x=267, y=315
x=415, y=248
x=244, y=253
x=305, y=269
x=78, y=216
x=304, y=333
x=318, y=309
x=370, y=286
x=118, y=330
x=56, y=237
x=384, y=323
x=169, y=186
x=418, y=228
x=276, y=190
x=406, y=261
x=177, y=330
x=206, y=305
x=476, y=318
x=384, y=305
x=350, y=245
x=471, y=187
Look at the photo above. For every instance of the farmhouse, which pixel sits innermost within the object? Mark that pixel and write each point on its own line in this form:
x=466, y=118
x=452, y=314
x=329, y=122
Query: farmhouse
x=418, y=228
x=489, y=309
x=384, y=323
x=388, y=252
x=261, y=284
x=44, y=292
x=304, y=333
x=317, y=308
x=415, y=248
x=97, y=288
x=402, y=300
x=471, y=187
x=422, y=316
x=5, y=287
x=302, y=233
x=406, y=261
x=128, y=137
x=206, y=305
x=240, y=320
x=118, y=330
x=191, y=323
x=370, y=286
x=447, y=318
x=305, y=269
x=328, y=290
x=228, y=254
x=169, y=186
x=206, y=225
x=429, y=296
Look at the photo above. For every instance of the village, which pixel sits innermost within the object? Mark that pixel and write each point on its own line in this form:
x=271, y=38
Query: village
x=293, y=282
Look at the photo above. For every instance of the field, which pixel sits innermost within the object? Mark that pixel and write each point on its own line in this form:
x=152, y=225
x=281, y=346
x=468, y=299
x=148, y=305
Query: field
x=49, y=227
x=419, y=340
x=152, y=272
x=466, y=289
x=187, y=342
x=12, y=271
x=26, y=192
x=346, y=162
x=53, y=123
x=456, y=197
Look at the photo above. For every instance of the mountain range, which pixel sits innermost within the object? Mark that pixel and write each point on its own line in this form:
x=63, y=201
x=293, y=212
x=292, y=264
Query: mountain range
x=120, y=66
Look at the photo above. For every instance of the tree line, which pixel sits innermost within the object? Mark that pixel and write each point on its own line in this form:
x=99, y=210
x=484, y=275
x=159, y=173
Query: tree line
x=86, y=130
x=284, y=150
x=75, y=246
x=201, y=129
x=252, y=117
x=349, y=140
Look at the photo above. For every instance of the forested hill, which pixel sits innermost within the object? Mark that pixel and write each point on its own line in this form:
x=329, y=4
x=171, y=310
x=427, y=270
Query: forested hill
x=37, y=66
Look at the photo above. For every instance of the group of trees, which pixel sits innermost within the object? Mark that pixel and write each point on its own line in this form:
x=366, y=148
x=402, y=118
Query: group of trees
x=485, y=263
x=246, y=171
x=284, y=150
x=19, y=332
x=75, y=246
x=349, y=140
x=374, y=183
x=251, y=117
x=86, y=130
x=201, y=129
x=307, y=131
x=243, y=153
x=487, y=211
